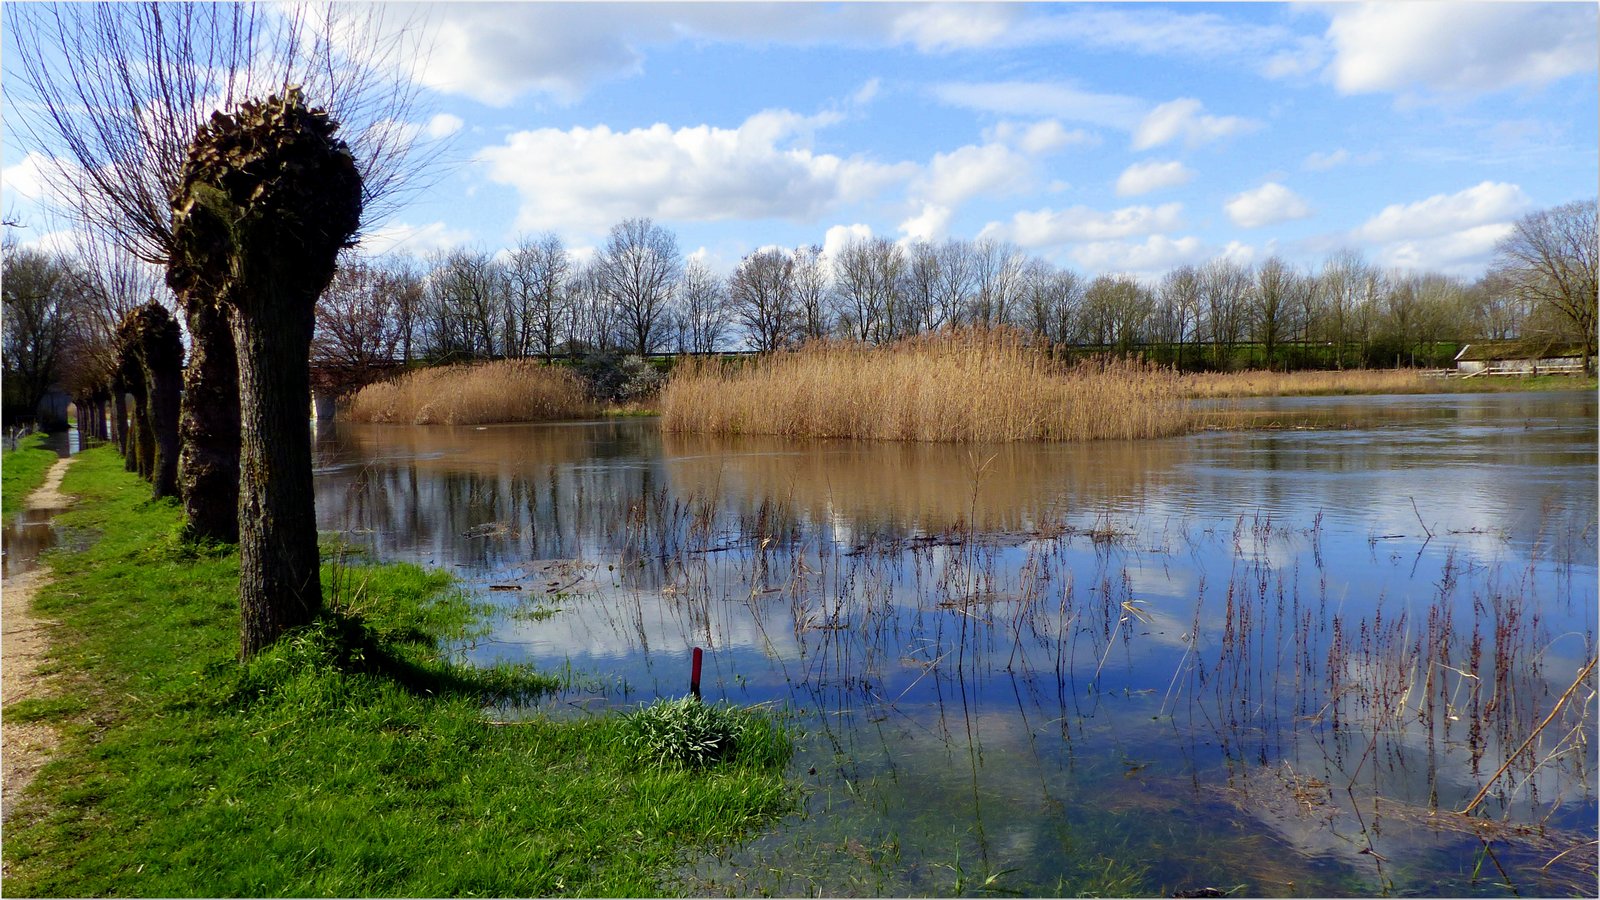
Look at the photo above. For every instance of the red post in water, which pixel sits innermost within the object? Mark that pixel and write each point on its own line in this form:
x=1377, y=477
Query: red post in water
x=694, y=674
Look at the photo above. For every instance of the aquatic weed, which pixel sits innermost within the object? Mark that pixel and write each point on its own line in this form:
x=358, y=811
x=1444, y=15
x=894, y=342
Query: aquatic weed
x=686, y=732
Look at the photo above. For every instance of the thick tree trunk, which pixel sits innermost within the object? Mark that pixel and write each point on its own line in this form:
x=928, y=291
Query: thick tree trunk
x=119, y=421
x=279, y=583
x=141, y=437
x=209, y=430
x=165, y=386
x=268, y=198
x=92, y=422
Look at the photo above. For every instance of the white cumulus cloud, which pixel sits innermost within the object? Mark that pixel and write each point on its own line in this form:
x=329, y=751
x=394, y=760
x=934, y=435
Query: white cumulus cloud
x=1048, y=227
x=443, y=125
x=1463, y=252
x=589, y=178
x=1185, y=119
x=498, y=52
x=1488, y=202
x=1458, y=47
x=973, y=170
x=1152, y=256
x=1266, y=205
x=932, y=224
x=1142, y=178
x=66, y=241
x=30, y=177
x=838, y=237
x=418, y=240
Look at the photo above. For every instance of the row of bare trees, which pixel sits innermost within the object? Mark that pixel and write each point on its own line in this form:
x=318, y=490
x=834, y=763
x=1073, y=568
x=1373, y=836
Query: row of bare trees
x=638, y=295
x=238, y=148
x=234, y=148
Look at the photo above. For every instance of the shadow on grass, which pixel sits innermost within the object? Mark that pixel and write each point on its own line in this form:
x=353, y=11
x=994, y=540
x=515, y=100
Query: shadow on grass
x=345, y=646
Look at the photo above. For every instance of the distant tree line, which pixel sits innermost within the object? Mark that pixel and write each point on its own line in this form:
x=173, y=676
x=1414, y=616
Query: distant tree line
x=639, y=295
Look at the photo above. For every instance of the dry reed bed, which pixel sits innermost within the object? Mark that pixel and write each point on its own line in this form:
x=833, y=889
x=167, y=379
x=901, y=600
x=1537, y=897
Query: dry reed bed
x=1261, y=383
x=472, y=394
x=970, y=385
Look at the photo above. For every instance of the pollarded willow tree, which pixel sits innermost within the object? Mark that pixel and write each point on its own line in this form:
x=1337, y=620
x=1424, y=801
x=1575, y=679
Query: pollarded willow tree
x=137, y=442
x=268, y=197
x=155, y=361
x=108, y=96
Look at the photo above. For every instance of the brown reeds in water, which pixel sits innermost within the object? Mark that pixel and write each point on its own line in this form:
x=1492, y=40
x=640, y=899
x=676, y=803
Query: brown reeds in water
x=471, y=394
x=1261, y=383
x=965, y=385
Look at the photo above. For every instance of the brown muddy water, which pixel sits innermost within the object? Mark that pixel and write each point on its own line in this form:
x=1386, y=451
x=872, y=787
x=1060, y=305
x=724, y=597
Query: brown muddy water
x=1263, y=663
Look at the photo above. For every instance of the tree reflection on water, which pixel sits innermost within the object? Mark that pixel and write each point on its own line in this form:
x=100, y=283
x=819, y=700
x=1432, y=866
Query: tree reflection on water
x=1277, y=663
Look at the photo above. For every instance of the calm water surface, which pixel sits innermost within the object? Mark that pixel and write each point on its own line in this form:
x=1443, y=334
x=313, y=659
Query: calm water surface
x=32, y=531
x=1267, y=662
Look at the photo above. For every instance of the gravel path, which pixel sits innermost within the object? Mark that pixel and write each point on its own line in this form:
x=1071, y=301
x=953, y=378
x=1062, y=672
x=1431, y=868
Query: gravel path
x=24, y=747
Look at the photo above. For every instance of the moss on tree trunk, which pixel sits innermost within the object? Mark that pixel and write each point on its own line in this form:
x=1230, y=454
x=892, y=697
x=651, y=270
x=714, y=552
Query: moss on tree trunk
x=209, y=427
x=279, y=581
x=150, y=362
x=268, y=196
x=119, y=422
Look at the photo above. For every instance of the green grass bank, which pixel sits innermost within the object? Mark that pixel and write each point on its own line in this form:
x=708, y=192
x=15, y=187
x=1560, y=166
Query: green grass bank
x=22, y=470
x=353, y=759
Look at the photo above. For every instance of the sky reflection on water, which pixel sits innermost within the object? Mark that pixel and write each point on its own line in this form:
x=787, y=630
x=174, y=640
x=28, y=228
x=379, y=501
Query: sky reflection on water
x=1230, y=658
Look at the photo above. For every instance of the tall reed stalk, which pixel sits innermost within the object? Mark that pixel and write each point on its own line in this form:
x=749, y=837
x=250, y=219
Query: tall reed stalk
x=1261, y=383
x=510, y=390
x=965, y=385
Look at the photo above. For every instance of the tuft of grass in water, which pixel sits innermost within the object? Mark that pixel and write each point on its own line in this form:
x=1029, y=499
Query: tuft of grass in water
x=22, y=471
x=688, y=733
x=353, y=758
x=512, y=390
x=960, y=385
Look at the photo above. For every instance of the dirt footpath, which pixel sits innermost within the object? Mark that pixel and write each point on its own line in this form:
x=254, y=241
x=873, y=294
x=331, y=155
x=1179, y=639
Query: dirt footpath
x=24, y=747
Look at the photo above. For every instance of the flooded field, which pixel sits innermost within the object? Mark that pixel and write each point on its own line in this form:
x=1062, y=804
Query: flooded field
x=31, y=532
x=1349, y=655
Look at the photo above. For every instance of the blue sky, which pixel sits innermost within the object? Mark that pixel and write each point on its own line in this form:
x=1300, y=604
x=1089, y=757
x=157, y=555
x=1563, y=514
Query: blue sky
x=1105, y=137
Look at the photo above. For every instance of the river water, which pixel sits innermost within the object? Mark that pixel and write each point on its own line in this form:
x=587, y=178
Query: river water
x=1268, y=662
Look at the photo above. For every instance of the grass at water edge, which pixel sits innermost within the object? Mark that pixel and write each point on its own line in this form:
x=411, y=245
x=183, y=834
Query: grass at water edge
x=22, y=471
x=352, y=759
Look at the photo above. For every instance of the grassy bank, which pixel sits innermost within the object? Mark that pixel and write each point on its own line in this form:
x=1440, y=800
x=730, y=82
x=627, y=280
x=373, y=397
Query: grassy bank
x=472, y=394
x=351, y=760
x=22, y=470
x=951, y=386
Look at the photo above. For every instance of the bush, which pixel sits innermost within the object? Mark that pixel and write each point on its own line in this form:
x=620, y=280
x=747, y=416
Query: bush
x=685, y=732
x=617, y=378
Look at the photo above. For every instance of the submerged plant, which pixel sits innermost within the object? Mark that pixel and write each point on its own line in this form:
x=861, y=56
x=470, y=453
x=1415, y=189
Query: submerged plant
x=686, y=732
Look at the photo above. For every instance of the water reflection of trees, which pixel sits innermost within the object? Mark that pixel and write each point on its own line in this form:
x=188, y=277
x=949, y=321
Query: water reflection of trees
x=900, y=488
x=1011, y=660
x=488, y=497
